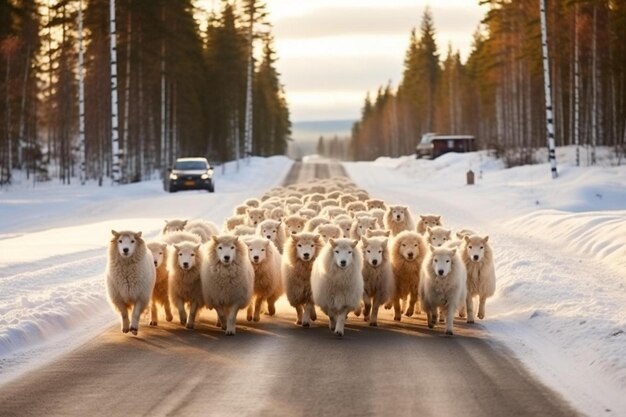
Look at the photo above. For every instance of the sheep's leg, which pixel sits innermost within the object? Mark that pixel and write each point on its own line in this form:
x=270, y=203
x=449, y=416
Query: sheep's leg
x=341, y=321
x=449, y=321
x=313, y=312
x=481, y=306
x=299, y=314
x=375, y=307
x=367, y=307
x=182, y=314
x=271, y=305
x=249, y=312
x=397, y=310
x=221, y=317
x=430, y=315
x=168, y=310
x=193, y=311
x=332, y=323
x=442, y=313
x=469, y=303
x=306, y=316
x=411, y=304
x=257, y=308
x=231, y=320
x=123, y=309
x=137, y=310
x=154, y=315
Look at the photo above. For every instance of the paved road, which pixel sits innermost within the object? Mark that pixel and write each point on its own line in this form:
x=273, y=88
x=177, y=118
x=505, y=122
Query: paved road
x=274, y=368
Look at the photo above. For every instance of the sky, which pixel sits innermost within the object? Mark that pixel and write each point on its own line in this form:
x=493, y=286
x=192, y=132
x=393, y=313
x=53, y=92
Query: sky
x=331, y=52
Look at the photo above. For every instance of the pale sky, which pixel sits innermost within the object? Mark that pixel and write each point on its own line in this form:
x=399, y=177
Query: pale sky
x=331, y=52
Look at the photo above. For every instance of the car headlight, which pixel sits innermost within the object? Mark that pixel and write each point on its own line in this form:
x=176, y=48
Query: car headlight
x=208, y=175
x=205, y=176
x=173, y=176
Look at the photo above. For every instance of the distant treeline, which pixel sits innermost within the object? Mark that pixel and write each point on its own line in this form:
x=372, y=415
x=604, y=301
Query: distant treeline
x=334, y=148
x=497, y=94
x=182, y=90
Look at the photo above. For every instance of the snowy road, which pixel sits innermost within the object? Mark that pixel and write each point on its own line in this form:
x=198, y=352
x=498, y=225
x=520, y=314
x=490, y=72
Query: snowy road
x=275, y=368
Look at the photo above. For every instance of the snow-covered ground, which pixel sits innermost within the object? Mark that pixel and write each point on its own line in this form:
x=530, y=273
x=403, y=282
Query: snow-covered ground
x=560, y=250
x=52, y=251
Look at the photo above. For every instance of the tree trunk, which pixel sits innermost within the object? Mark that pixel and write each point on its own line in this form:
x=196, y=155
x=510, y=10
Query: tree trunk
x=547, y=89
x=116, y=166
x=81, y=96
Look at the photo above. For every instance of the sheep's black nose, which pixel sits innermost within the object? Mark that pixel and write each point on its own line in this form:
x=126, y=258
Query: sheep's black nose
x=269, y=236
x=155, y=263
x=440, y=272
x=410, y=254
x=475, y=257
x=343, y=263
x=125, y=250
x=398, y=217
x=185, y=265
x=256, y=258
x=375, y=262
x=227, y=258
x=306, y=255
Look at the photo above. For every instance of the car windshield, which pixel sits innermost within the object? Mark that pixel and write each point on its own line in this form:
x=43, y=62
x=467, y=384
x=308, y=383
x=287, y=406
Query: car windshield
x=190, y=165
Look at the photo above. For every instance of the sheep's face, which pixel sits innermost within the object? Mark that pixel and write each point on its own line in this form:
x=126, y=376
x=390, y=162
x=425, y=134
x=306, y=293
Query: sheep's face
x=475, y=247
x=126, y=242
x=438, y=236
x=398, y=213
x=158, y=254
x=409, y=248
x=442, y=261
x=375, y=204
x=343, y=251
x=373, y=251
x=364, y=224
x=174, y=226
x=186, y=255
x=255, y=216
x=345, y=226
x=294, y=224
x=306, y=246
x=257, y=250
x=431, y=221
x=226, y=248
x=269, y=229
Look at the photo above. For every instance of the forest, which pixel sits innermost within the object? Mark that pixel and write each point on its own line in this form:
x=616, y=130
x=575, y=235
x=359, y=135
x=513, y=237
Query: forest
x=187, y=82
x=497, y=94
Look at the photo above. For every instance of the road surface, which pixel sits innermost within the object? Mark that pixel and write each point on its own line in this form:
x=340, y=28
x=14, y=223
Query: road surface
x=274, y=368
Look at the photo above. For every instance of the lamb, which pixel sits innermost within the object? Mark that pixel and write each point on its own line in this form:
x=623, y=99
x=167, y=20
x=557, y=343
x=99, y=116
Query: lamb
x=311, y=205
x=379, y=214
x=307, y=213
x=268, y=286
x=477, y=255
x=274, y=231
x=173, y=226
x=427, y=220
x=398, y=219
x=442, y=285
x=227, y=279
x=337, y=281
x=345, y=226
x=407, y=253
x=346, y=199
x=378, y=284
x=240, y=210
x=277, y=213
x=130, y=277
x=254, y=216
x=298, y=255
x=185, y=286
x=355, y=207
x=160, y=294
x=361, y=226
x=294, y=224
x=328, y=231
x=374, y=203
x=252, y=202
x=293, y=209
x=438, y=236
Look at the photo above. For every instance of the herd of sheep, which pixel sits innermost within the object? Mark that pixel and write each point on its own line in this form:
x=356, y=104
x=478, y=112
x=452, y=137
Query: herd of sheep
x=324, y=244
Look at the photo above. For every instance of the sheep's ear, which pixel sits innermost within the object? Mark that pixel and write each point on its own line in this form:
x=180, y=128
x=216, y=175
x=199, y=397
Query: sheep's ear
x=423, y=217
x=247, y=210
x=466, y=238
x=116, y=234
x=176, y=246
x=385, y=241
x=365, y=240
x=432, y=248
x=486, y=239
x=438, y=218
x=214, y=239
x=449, y=233
x=236, y=239
x=453, y=251
x=354, y=243
x=166, y=222
x=185, y=223
x=317, y=238
x=197, y=246
x=428, y=229
x=387, y=233
x=332, y=242
x=138, y=235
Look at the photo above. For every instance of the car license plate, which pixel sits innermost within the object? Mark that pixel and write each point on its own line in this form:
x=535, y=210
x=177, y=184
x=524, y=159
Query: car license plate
x=190, y=182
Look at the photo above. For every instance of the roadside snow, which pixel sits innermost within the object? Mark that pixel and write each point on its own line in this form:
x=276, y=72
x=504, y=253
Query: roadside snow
x=53, y=242
x=560, y=250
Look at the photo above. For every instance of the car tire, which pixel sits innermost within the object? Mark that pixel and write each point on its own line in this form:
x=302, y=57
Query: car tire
x=172, y=190
x=211, y=188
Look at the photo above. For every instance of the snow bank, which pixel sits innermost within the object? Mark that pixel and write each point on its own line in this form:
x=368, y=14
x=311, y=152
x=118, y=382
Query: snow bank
x=560, y=250
x=53, y=250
